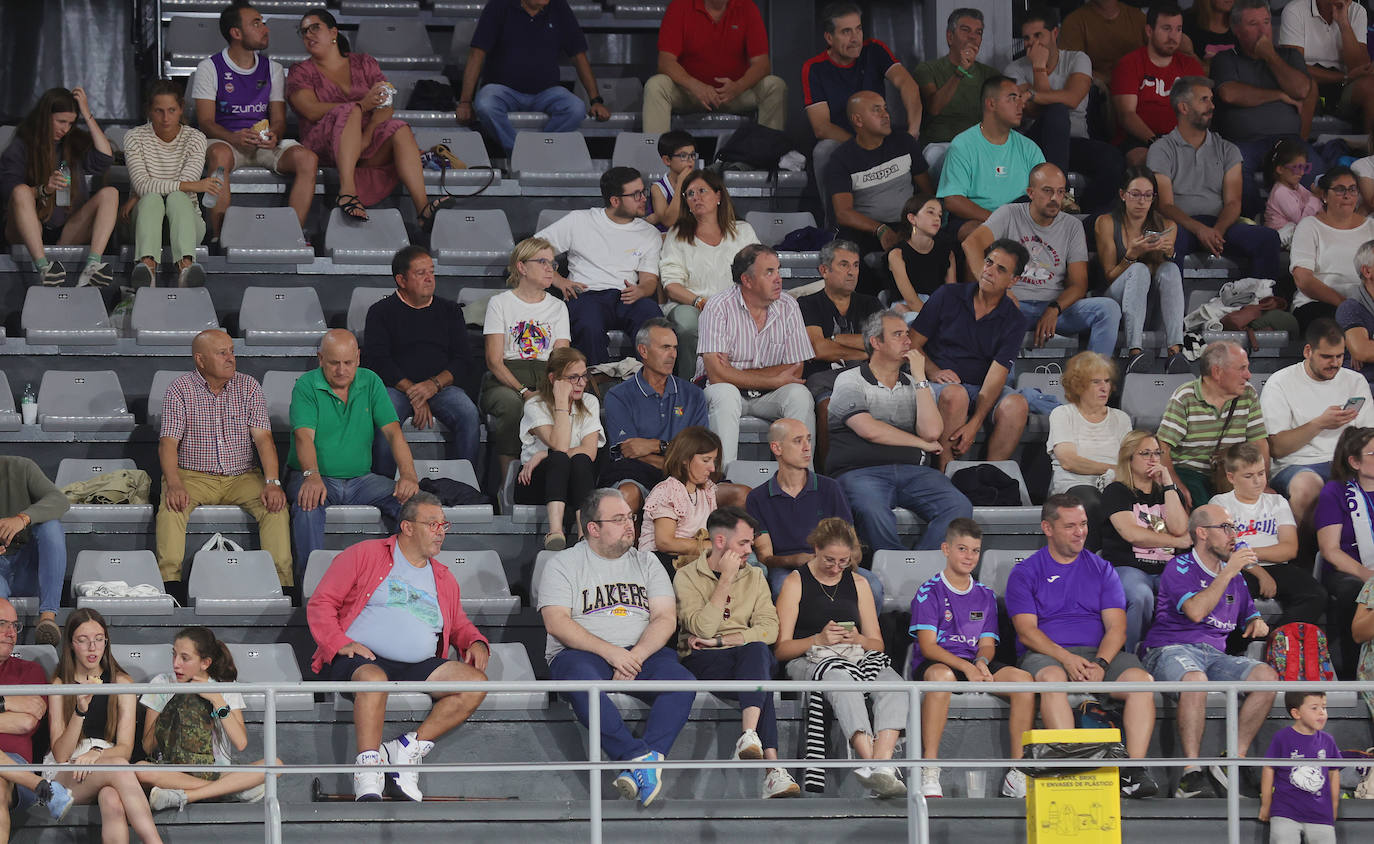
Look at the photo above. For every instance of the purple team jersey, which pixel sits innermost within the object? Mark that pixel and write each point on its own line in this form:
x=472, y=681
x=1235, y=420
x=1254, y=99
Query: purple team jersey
x=1067, y=600
x=241, y=99
x=959, y=619
x=1302, y=793
x=1182, y=579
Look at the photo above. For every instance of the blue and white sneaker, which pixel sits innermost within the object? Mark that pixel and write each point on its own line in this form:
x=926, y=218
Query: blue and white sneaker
x=642, y=784
x=55, y=797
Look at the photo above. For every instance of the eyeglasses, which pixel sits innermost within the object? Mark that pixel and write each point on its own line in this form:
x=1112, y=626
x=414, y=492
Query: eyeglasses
x=639, y=194
x=6, y=624
x=1298, y=168
x=1344, y=190
x=695, y=192
x=87, y=641
x=437, y=527
x=579, y=378
x=310, y=30
x=1140, y=195
x=1156, y=453
x=1226, y=527
x=543, y=262
x=1054, y=191
x=619, y=520
x=685, y=156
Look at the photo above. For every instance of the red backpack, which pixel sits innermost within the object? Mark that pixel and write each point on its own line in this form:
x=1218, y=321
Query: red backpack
x=1298, y=651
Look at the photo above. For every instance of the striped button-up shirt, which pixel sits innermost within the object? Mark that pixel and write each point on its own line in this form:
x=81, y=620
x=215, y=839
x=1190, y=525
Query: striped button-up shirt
x=213, y=430
x=726, y=326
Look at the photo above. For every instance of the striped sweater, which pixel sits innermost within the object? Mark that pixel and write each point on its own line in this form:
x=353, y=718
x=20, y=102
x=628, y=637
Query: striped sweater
x=159, y=167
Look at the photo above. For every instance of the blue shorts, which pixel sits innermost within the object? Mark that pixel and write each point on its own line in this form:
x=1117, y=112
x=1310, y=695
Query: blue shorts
x=23, y=797
x=1283, y=477
x=1169, y=663
x=973, y=390
x=342, y=668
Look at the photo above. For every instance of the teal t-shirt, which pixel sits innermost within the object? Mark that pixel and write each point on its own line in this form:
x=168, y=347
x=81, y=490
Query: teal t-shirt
x=988, y=174
x=343, y=430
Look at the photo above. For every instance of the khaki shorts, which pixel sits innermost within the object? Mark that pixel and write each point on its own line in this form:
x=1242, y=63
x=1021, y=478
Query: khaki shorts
x=258, y=157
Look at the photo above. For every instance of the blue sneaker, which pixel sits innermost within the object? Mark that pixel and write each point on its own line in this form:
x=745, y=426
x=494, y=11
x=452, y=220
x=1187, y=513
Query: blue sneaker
x=642, y=784
x=55, y=796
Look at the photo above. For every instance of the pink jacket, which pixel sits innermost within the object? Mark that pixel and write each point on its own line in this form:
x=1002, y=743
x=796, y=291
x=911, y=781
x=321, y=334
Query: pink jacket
x=1289, y=205
x=350, y=581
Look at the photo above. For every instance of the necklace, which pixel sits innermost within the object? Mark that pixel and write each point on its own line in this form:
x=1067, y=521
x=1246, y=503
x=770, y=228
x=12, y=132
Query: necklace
x=834, y=590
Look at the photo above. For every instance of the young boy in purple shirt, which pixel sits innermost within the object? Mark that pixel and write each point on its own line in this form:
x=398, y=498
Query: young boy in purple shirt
x=954, y=622
x=1202, y=599
x=1302, y=801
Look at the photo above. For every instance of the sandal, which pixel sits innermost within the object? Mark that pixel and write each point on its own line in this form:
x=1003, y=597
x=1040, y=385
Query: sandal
x=426, y=217
x=555, y=541
x=352, y=207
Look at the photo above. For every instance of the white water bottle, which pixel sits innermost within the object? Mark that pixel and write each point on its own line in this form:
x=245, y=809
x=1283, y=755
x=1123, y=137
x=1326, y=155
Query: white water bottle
x=63, y=196
x=211, y=198
x=28, y=405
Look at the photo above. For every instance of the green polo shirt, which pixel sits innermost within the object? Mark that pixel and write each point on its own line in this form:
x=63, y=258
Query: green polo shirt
x=1191, y=427
x=344, y=430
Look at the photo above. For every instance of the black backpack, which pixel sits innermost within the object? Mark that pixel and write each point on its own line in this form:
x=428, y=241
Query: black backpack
x=431, y=95
x=757, y=147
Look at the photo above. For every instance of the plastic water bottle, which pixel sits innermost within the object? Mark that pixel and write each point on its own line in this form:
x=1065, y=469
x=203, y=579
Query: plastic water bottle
x=28, y=405
x=64, y=193
x=210, y=199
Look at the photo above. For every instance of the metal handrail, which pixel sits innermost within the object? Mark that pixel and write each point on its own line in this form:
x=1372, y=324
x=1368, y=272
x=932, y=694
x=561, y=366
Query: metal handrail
x=917, y=809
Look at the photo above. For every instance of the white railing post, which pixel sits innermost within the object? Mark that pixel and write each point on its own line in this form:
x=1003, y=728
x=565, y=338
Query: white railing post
x=269, y=752
x=593, y=757
x=917, y=811
x=1232, y=769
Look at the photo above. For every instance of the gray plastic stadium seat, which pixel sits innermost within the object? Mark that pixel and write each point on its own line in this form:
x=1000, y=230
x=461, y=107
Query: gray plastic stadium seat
x=373, y=242
x=235, y=583
x=474, y=241
x=902, y=573
x=773, y=226
x=1257, y=380
x=116, y=134
x=540, y=560
x=1046, y=382
x=143, y=662
x=282, y=316
x=624, y=95
x=315, y=567
x=467, y=11
x=549, y=216
x=996, y=566
x=276, y=387
x=751, y=473
x=273, y=662
x=162, y=379
x=468, y=146
x=553, y=161
x=640, y=151
x=191, y=39
x=359, y=302
x=6, y=135
x=44, y=655
x=1011, y=467
x=462, y=471
x=73, y=469
x=1025, y=514
x=71, y=316
x=379, y=7
x=468, y=296
x=285, y=41
x=401, y=43
x=172, y=316
x=10, y=420
x=482, y=584
x=1144, y=397
x=89, y=400
x=264, y=236
x=134, y=568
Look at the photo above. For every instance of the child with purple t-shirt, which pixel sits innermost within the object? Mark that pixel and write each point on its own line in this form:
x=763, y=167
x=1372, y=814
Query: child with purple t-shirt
x=1301, y=801
x=954, y=623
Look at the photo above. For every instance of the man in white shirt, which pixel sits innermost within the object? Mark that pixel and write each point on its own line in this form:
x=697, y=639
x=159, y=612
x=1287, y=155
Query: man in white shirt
x=612, y=264
x=236, y=91
x=1331, y=36
x=1306, y=406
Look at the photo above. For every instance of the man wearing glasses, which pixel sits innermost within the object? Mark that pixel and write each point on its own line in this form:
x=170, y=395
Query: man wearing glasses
x=386, y=610
x=612, y=264
x=610, y=612
x=1201, y=600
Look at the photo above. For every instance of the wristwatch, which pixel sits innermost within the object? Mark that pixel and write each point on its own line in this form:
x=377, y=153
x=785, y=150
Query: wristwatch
x=221, y=713
x=662, y=447
x=273, y=481
x=305, y=473
x=2, y=703
x=1102, y=662
x=1056, y=306
x=596, y=101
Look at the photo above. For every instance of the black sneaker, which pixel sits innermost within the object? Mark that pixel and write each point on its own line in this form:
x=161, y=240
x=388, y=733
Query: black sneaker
x=1219, y=777
x=1138, y=784
x=1195, y=783
x=1138, y=362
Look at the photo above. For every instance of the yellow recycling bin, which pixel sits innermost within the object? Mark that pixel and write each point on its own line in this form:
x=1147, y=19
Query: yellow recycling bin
x=1081, y=807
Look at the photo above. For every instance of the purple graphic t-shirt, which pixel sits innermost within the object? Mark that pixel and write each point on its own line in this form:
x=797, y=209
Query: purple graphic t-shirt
x=1301, y=792
x=959, y=619
x=1067, y=600
x=1182, y=579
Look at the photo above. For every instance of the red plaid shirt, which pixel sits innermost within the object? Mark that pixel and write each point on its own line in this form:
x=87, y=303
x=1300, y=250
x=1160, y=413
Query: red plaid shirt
x=212, y=431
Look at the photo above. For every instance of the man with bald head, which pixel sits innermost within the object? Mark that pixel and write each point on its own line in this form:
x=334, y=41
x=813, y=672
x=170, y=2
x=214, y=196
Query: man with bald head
x=213, y=419
x=1052, y=290
x=336, y=411
x=870, y=177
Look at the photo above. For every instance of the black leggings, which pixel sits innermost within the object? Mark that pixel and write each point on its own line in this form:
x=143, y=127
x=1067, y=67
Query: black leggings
x=1344, y=589
x=559, y=477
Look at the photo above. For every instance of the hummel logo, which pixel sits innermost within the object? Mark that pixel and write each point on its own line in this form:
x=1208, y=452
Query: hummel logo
x=1051, y=579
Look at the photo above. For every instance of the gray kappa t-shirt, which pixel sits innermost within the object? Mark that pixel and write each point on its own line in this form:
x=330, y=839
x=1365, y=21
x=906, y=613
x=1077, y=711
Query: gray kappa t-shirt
x=610, y=598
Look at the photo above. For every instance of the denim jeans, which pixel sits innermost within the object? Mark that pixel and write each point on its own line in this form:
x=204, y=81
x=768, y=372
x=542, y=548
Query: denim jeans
x=668, y=711
x=307, y=526
x=750, y=661
x=1100, y=162
x=453, y=408
x=595, y=312
x=874, y=490
x=1097, y=315
x=1257, y=245
x=1140, y=591
x=493, y=102
x=1131, y=290
x=37, y=567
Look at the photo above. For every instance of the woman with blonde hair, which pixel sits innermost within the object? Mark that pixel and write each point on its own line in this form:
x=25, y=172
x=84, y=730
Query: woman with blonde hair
x=828, y=630
x=560, y=434
x=677, y=508
x=522, y=327
x=1145, y=526
x=1085, y=435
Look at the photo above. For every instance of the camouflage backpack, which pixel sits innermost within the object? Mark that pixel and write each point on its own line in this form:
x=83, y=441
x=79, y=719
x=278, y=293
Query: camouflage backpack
x=185, y=733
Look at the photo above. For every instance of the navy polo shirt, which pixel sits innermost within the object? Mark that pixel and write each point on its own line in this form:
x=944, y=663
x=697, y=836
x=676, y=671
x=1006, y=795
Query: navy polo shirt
x=523, y=49
x=787, y=520
x=824, y=81
x=634, y=409
x=957, y=340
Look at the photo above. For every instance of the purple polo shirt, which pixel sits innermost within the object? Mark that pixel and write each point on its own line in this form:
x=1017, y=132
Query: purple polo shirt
x=787, y=520
x=1067, y=600
x=959, y=619
x=1184, y=577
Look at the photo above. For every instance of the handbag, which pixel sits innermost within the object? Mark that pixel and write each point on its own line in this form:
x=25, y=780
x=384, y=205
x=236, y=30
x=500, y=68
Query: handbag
x=220, y=542
x=1220, y=483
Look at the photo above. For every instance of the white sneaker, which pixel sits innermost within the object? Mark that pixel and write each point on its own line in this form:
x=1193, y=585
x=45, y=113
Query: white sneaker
x=251, y=795
x=778, y=783
x=930, y=782
x=1014, y=784
x=191, y=275
x=367, y=785
x=749, y=746
x=166, y=798
x=407, y=750
x=883, y=781
x=97, y=274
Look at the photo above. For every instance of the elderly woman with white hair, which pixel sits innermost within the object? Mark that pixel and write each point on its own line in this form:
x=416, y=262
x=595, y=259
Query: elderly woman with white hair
x=1356, y=315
